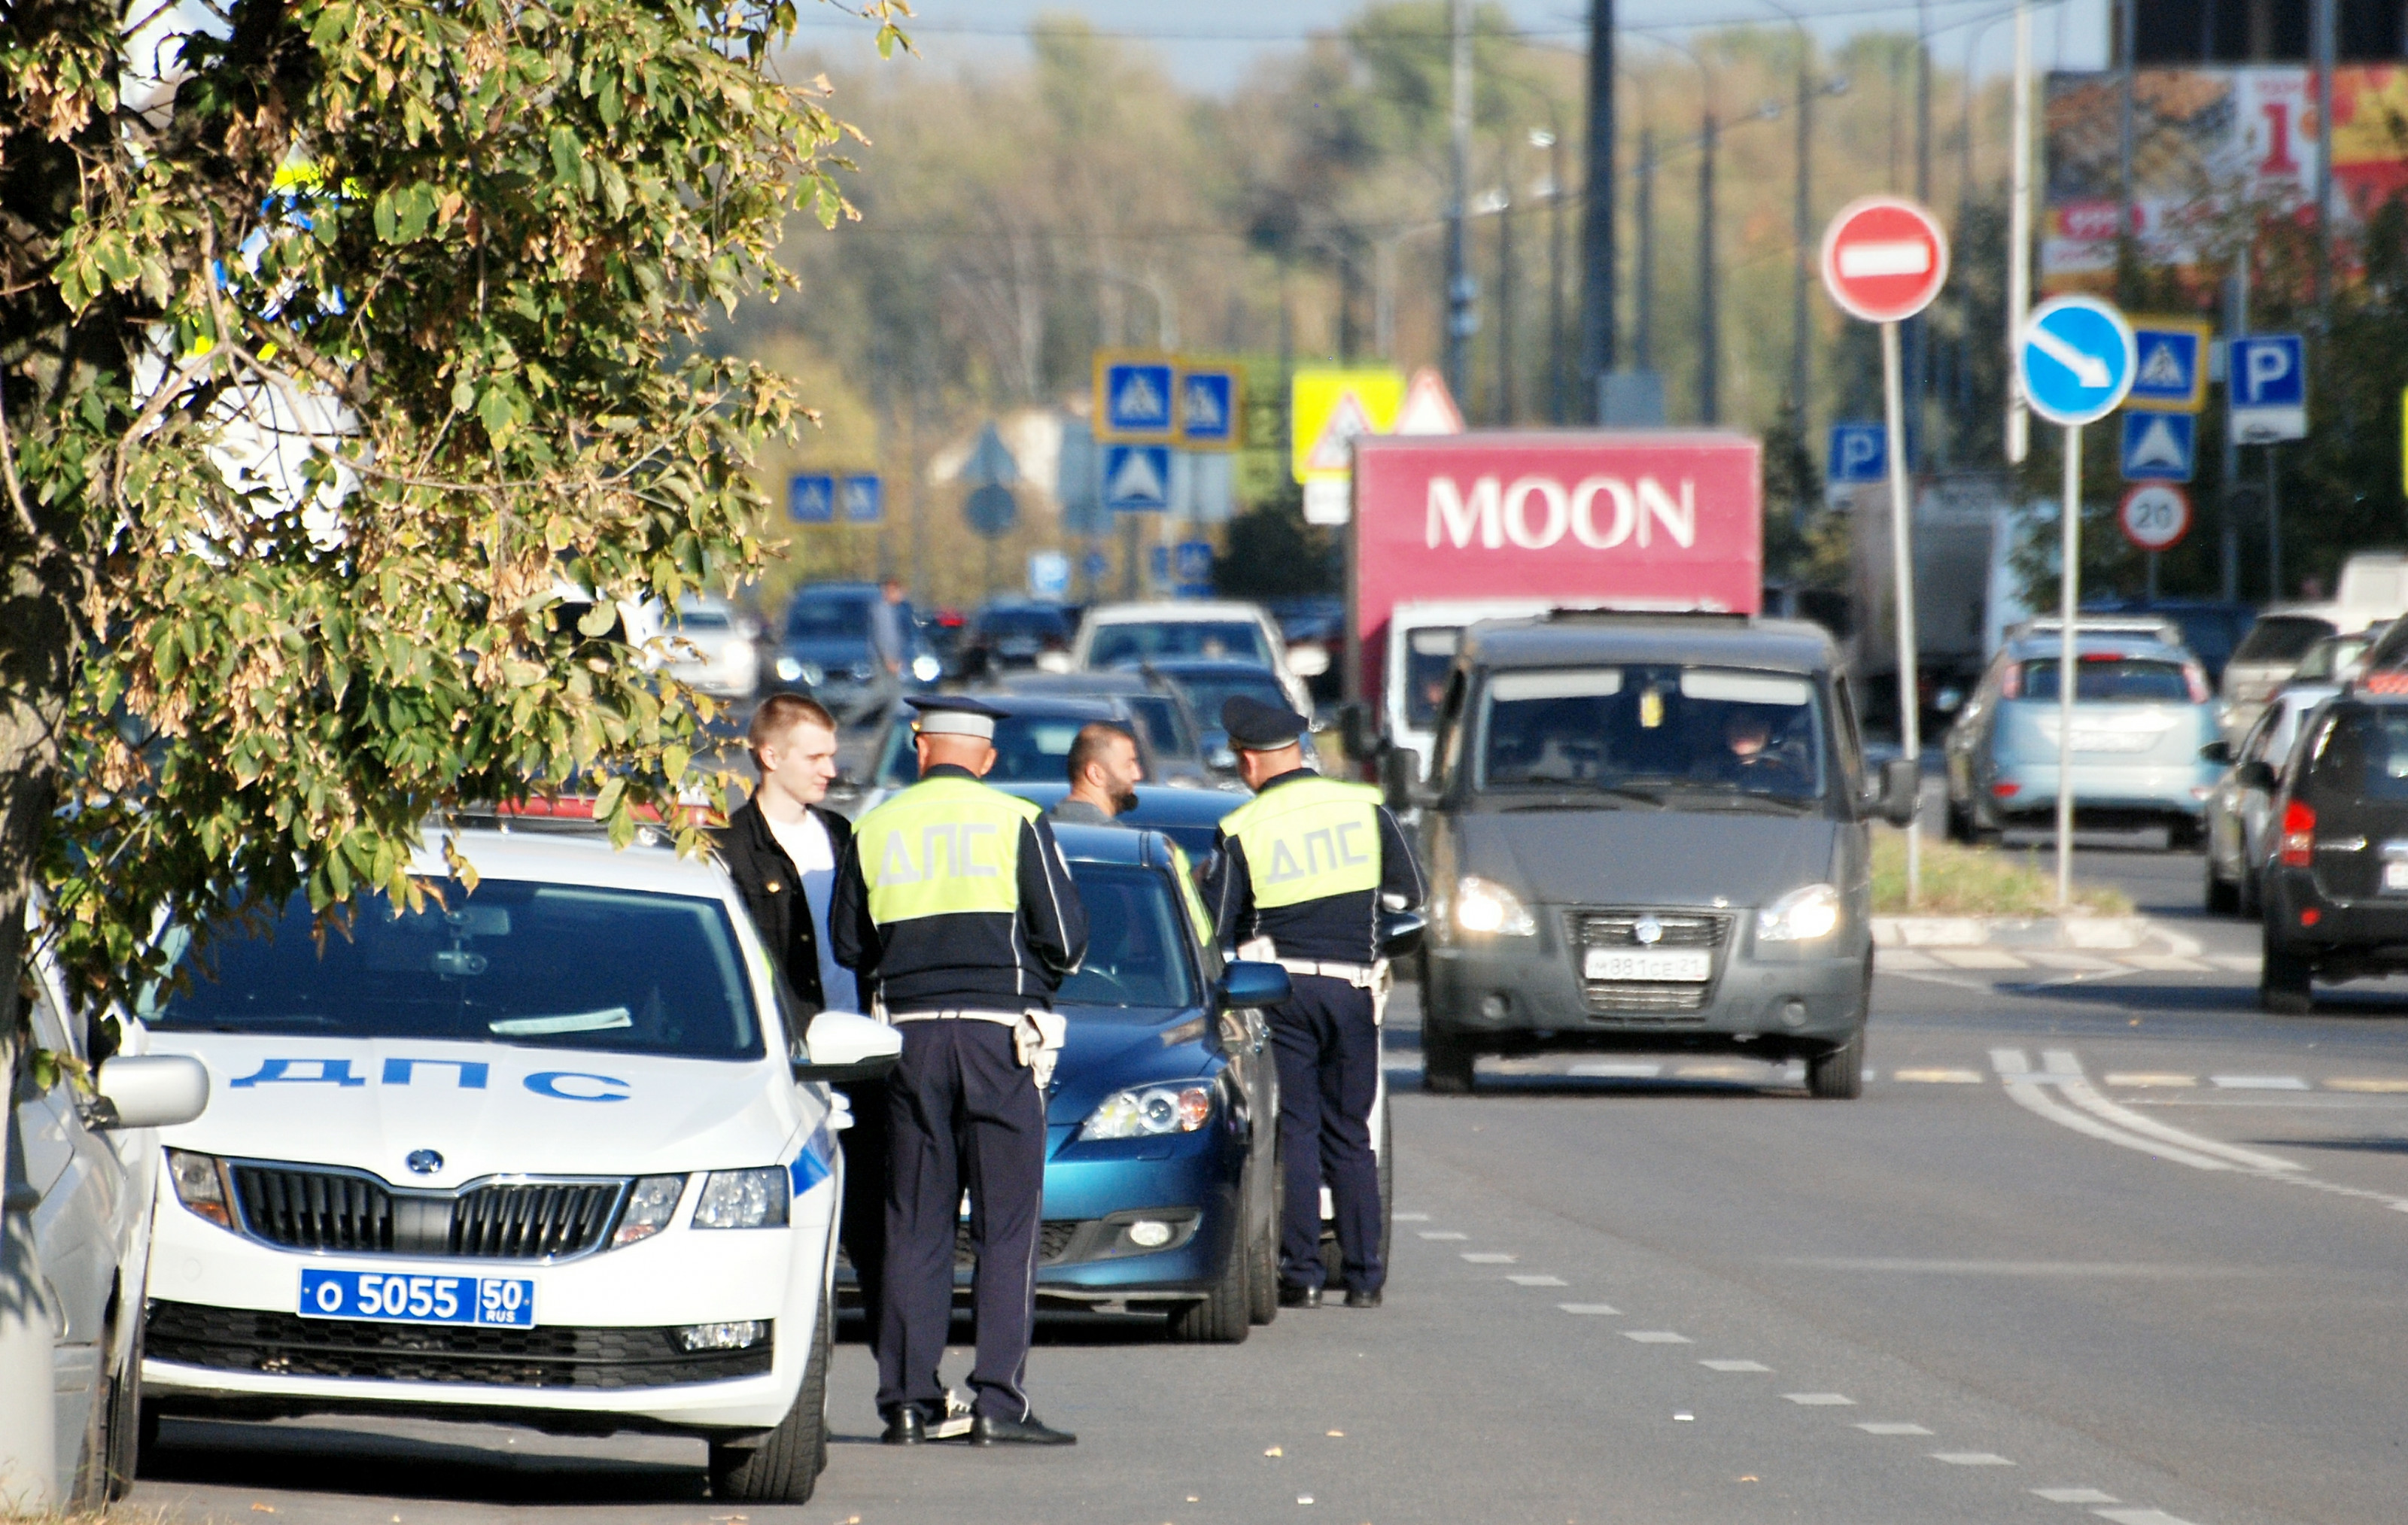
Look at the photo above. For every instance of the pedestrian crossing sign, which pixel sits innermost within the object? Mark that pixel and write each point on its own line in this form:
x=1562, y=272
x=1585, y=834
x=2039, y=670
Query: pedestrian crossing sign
x=1330, y=409
x=1208, y=403
x=2173, y=374
x=1136, y=478
x=2159, y=447
x=1135, y=395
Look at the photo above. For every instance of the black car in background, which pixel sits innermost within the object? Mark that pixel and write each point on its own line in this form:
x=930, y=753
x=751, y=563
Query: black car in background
x=2336, y=883
x=1010, y=634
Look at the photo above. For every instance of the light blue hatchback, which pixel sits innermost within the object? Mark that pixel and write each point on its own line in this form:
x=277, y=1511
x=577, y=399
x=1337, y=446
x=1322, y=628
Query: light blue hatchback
x=2142, y=710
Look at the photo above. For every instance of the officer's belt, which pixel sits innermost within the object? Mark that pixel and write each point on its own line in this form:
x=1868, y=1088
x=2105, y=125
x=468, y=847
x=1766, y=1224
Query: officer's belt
x=1358, y=974
x=957, y=1013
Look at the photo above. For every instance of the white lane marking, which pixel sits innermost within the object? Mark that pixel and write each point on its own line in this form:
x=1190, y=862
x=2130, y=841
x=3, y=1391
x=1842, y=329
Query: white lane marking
x=1938, y=1077
x=1656, y=1337
x=2258, y=1082
x=1978, y=958
x=1482, y=1257
x=1734, y=1365
x=1821, y=1400
x=2030, y=1093
x=2021, y=1268
x=2167, y=964
x=1750, y=1071
x=1618, y=1070
x=1411, y=1218
x=2075, y=1495
x=2142, y=1079
x=2088, y=962
x=2075, y=1089
x=1972, y=1459
x=1537, y=1281
x=1892, y=1427
x=1442, y=1234
x=2240, y=963
x=1602, y=1310
x=2140, y=1516
x=1894, y=961
x=2372, y=1085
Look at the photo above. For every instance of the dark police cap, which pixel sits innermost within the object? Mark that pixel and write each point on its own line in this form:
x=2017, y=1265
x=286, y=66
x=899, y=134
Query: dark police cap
x=952, y=715
x=1257, y=727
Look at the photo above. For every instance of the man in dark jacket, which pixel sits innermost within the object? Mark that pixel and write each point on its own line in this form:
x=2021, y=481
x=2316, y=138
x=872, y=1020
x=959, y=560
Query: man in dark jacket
x=781, y=848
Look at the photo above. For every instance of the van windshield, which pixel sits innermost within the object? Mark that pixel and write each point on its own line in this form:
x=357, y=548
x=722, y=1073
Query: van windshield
x=1646, y=730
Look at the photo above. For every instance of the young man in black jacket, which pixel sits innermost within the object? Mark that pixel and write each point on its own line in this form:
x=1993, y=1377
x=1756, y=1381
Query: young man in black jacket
x=782, y=848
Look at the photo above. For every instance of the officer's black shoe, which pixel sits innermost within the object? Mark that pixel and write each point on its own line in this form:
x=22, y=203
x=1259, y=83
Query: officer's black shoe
x=1358, y=1299
x=905, y=1426
x=1030, y=1431
x=1293, y=1296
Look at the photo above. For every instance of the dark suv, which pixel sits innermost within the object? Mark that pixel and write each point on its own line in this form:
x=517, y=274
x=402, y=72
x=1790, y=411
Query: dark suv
x=2336, y=881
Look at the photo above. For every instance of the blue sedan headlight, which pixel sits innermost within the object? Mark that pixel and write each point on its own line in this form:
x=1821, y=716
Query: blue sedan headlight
x=1150, y=1111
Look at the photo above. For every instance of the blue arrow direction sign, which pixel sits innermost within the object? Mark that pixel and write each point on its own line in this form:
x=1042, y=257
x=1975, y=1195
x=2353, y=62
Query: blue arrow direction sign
x=863, y=497
x=1136, y=478
x=2267, y=380
x=2076, y=359
x=811, y=499
x=1208, y=408
x=1135, y=398
x=2173, y=377
x=2159, y=447
x=1860, y=453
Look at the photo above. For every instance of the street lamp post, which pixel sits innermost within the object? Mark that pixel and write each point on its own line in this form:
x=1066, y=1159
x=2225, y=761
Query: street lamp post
x=1460, y=320
x=1709, y=336
x=1547, y=138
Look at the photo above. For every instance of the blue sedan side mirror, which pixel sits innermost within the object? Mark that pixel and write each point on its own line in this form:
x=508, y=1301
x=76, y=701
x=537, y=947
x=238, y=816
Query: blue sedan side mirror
x=1246, y=983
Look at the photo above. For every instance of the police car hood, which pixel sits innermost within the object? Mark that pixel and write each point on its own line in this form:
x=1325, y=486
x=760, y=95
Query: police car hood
x=1642, y=857
x=486, y=1108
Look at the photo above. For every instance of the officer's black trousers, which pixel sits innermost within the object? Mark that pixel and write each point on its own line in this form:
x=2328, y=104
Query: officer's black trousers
x=1329, y=1052
x=966, y=1113
x=862, y=1227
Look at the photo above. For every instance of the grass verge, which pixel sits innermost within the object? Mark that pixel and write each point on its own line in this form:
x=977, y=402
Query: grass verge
x=1980, y=882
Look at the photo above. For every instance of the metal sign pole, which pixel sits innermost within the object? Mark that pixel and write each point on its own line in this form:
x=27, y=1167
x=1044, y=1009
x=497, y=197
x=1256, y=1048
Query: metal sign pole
x=1901, y=556
x=2068, y=600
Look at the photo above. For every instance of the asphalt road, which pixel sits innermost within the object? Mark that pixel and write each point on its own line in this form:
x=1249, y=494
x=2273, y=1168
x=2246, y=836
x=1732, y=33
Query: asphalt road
x=2100, y=1241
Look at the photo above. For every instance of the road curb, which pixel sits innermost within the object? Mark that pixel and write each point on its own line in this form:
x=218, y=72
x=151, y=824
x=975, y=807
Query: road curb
x=2094, y=933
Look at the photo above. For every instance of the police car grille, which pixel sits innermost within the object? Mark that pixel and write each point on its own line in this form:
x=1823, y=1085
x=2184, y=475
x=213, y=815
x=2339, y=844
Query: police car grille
x=315, y=1210
x=1647, y=1001
x=283, y=1345
x=304, y=1209
x=534, y=1222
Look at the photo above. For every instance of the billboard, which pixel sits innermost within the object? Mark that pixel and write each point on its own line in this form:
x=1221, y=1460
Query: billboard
x=1661, y=520
x=2215, y=151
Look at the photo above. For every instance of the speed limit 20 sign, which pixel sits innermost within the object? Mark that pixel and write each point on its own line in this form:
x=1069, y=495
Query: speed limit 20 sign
x=2155, y=514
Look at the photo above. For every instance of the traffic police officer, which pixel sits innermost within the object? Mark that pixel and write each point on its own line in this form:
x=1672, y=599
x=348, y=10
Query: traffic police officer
x=1303, y=866
x=955, y=906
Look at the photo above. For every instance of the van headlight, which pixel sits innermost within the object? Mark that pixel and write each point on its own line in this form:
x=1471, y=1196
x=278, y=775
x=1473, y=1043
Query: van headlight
x=1149, y=1111
x=742, y=1199
x=1802, y=916
x=1485, y=909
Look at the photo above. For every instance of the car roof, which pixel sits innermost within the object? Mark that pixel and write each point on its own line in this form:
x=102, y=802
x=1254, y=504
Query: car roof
x=580, y=857
x=2086, y=642
x=1158, y=804
x=1085, y=682
x=1133, y=846
x=1186, y=611
x=1572, y=637
x=1100, y=706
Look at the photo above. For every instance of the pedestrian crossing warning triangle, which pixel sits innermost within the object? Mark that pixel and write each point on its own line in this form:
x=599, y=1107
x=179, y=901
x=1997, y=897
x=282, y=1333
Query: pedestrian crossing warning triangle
x=2163, y=370
x=2156, y=446
x=1136, y=402
x=1136, y=481
x=1430, y=407
x=1334, y=449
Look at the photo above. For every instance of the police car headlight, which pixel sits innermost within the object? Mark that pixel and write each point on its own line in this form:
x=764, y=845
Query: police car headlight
x=652, y=1202
x=201, y=1186
x=1149, y=1111
x=742, y=1199
x=1802, y=916
x=1485, y=909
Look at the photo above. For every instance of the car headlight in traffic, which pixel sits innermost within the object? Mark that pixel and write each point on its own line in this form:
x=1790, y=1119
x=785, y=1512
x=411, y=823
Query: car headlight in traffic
x=1486, y=908
x=1802, y=916
x=926, y=668
x=200, y=1182
x=1149, y=1111
x=651, y=1204
x=788, y=669
x=742, y=1199
x=736, y=651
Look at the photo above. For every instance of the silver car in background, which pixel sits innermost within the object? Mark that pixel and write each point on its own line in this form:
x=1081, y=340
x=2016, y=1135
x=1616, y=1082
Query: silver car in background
x=2244, y=799
x=714, y=646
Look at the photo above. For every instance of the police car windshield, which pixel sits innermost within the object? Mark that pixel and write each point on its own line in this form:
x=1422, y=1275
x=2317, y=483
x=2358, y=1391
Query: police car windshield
x=1135, y=953
x=1028, y=749
x=1647, y=729
x=547, y=965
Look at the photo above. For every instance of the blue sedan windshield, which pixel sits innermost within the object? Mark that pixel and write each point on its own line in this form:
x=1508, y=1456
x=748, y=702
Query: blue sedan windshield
x=1138, y=952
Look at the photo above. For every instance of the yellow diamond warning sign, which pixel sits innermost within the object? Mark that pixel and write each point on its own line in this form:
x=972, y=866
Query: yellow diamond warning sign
x=1329, y=409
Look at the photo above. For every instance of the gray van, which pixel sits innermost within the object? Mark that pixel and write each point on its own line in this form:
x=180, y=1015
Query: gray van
x=1648, y=831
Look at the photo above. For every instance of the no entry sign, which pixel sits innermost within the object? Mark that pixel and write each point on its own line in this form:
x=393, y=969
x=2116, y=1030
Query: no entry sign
x=1884, y=259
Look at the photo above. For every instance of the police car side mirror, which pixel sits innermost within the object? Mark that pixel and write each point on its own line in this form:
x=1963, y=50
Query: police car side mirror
x=841, y=1045
x=150, y=1091
x=1250, y=983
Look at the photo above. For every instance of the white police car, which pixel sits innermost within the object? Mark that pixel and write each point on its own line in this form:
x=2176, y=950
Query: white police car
x=547, y=1151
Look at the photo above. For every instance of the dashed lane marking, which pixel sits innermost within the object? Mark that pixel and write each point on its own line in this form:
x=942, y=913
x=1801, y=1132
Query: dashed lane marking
x=2167, y=964
x=1893, y=1427
x=1938, y=1077
x=1972, y=1459
x=1411, y=1218
x=1618, y=1070
x=2075, y=1495
x=2140, y=1516
x=1656, y=1337
x=2080, y=962
x=1442, y=1234
x=2131, y=1079
x=1978, y=958
x=2258, y=1082
x=1821, y=1400
x=1602, y=1310
x=1537, y=1281
x=1483, y=1257
x=2369, y=1085
x=2240, y=963
x=1734, y=1365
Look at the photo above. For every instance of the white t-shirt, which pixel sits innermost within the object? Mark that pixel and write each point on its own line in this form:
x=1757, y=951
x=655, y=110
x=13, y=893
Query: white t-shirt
x=812, y=852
